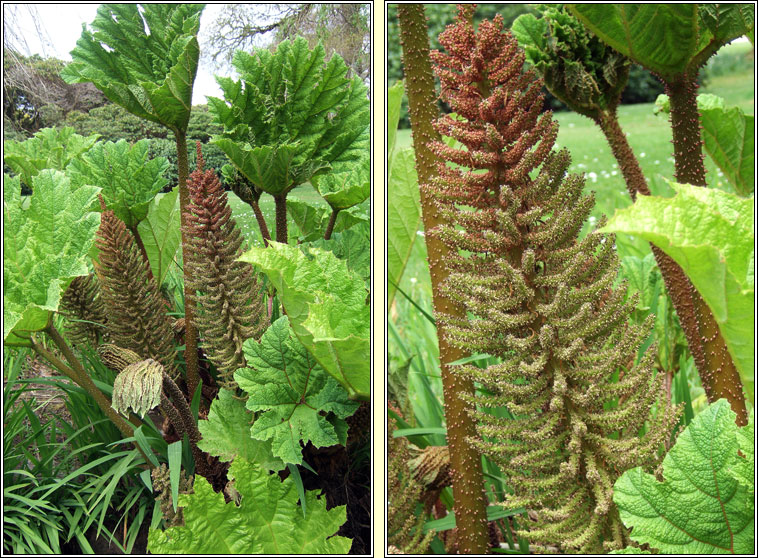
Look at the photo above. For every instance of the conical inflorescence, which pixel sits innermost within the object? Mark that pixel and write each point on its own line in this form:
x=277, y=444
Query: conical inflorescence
x=83, y=307
x=135, y=309
x=538, y=298
x=229, y=301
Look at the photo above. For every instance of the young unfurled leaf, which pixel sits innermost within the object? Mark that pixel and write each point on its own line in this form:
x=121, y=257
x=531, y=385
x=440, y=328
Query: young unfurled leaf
x=268, y=519
x=577, y=67
x=298, y=401
x=128, y=178
x=226, y=434
x=699, y=508
x=292, y=116
x=326, y=305
x=710, y=234
x=45, y=246
x=50, y=148
x=142, y=57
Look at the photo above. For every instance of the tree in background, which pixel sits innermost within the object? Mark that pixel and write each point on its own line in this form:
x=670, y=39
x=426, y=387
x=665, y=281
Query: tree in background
x=341, y=28
x=32, y=87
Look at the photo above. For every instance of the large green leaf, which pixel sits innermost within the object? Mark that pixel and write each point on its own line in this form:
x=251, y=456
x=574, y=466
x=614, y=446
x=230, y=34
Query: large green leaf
x=129, y=180
x=743, y=470
x=347, y=188
x=710, y=234
x=160, y=232
x=326, y=305
x=296, y=400
x=729, y=138
x=394, y=103
x=403, y=216
x=668, y=39
x=660, y=37
x=728, y=21
x=311, y=219
x=291, y=110
x=45, y=244
x=226, y=434
x=699, y=508
x=50, y=148
x=267, y=521
x=352, y=247
x=142, y=57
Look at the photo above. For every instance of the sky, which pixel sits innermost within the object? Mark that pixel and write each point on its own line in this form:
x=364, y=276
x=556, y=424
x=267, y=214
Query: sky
x=62, y=24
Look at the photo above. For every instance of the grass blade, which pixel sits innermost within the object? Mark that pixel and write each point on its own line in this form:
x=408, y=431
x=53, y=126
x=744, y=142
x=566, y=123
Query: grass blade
x=174, y=468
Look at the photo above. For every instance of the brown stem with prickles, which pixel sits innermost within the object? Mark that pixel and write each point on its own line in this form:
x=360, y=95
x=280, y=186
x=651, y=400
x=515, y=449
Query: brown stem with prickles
x=190, y=329
x=330, y=226
x=465, y=461
x=190, y=427
x=719, y=374
x=261, y=222
x=281, y=218
x=78, y=374
x=677, y=283
x=173, y=415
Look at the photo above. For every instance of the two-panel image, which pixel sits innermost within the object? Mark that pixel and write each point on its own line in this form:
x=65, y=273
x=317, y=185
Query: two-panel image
x=378, y=278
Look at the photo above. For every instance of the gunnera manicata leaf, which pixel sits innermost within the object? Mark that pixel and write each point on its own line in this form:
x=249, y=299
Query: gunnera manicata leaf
x=268, y=519
x=700, y=507
x=326, y=306
x=710, y=234
x=129, y=180
x=46, y=239
x=226, y=433
x=50, y=148
x=292, y=115
x=142, y=57
x=296, y=400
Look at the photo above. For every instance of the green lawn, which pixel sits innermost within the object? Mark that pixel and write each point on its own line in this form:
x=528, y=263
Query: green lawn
x=245, y=218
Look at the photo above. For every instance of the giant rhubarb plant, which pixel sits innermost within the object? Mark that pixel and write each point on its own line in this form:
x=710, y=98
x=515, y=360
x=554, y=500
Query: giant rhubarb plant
x=290, y=117
x=674, y=41
x=145, y=59
x=229, y=302
x=538, y=298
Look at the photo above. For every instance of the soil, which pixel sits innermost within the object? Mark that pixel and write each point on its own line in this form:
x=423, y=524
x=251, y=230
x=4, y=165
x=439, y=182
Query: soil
x=344, y=475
